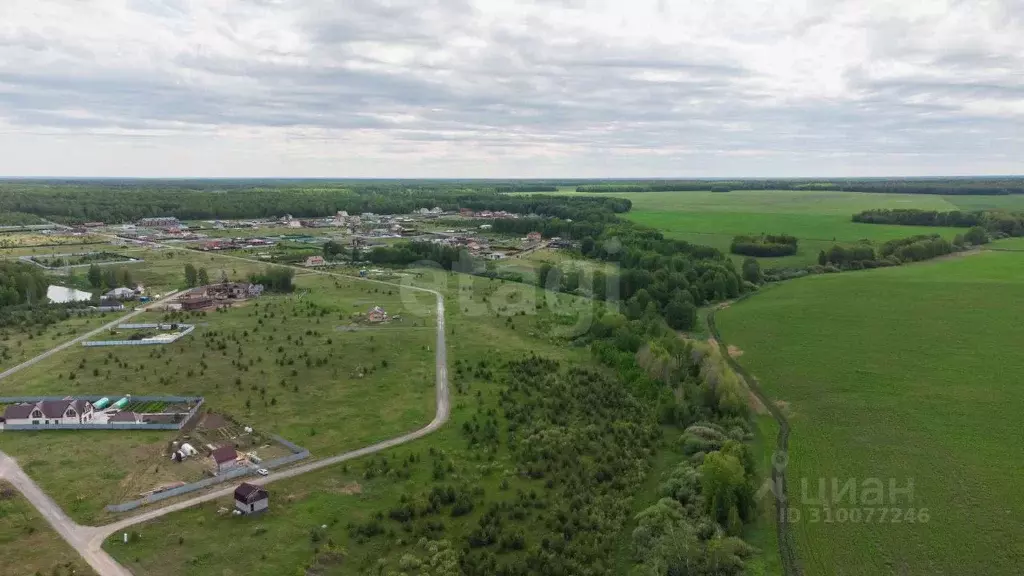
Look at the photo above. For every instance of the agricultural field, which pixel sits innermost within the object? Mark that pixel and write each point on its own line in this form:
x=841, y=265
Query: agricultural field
x=28, y=545
x=304, y=366
x=817, y=219
x=904, y=375
x=309, y=518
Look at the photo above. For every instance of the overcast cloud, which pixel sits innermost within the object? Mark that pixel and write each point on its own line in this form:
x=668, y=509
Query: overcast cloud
x=503, y=88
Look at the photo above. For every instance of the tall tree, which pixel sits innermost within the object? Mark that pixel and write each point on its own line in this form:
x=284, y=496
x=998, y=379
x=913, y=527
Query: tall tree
x=203, y=277
x=191, y=276
x=752, y=271
x=95, y=276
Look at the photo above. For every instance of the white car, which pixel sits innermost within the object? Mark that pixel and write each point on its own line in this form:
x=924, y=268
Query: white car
x=263, y=471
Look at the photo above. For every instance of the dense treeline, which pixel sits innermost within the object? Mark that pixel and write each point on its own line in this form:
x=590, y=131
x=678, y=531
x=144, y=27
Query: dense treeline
x=891, y=253
x=273, y=279
x=995, y=222
x=526, y=188
x=88, y=202
x=957, y=186
x=21, y=284
x=765, y=245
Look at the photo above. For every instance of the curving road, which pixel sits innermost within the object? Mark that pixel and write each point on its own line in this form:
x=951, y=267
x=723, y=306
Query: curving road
x=88, y=540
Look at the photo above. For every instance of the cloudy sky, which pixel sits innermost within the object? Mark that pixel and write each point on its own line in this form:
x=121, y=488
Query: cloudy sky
x=511, y=88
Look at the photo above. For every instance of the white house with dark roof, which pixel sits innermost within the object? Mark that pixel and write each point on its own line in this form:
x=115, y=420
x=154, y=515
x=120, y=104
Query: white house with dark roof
x=250, y=498
x=223, y=459
x=49, y=412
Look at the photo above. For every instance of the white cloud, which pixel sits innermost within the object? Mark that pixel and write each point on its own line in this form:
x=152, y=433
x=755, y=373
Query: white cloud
x=508, y=88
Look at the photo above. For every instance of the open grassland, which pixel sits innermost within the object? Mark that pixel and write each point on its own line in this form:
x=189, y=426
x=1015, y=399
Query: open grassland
x=27, y=543
x=305, y=366
x=307, y=524
x=906, y=375
x=1014, y=244
x=164, y=269
x=18, y=343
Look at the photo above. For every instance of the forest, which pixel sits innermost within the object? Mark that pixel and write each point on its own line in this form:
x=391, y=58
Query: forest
x=21, y=284
x=952, y=186
x=84, y=202
x=995, y=222
x=765, y=245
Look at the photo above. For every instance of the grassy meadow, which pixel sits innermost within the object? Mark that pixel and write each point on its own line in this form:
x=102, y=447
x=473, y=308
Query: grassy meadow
x=905, y=374
x=18, y=344
x=486, y=328
x=303, y=366
x=28, y=545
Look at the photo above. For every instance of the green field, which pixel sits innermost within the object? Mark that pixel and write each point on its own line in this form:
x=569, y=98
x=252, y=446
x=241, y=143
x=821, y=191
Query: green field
x=298, y=365
x=818, y=219
x=906, y=375
x=27, y=543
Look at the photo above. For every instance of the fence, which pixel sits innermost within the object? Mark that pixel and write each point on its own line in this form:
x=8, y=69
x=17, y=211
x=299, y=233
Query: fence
x=169, y=340
x=31, y=260
x=207, y=482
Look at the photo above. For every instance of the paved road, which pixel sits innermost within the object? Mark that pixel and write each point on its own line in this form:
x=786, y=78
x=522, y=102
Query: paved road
x=85, y=336
x=88, y=540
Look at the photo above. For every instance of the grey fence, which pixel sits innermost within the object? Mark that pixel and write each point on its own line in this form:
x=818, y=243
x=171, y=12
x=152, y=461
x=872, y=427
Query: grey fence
x=289, y=445
x=206, y=483
x=188, y=330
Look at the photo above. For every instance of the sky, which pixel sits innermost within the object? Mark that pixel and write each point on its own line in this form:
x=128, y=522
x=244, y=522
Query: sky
x=511, y=88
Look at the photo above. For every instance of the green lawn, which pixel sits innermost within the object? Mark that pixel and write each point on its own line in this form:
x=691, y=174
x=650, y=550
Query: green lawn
x=289, y=365
x=906, y=375
x=28, y=545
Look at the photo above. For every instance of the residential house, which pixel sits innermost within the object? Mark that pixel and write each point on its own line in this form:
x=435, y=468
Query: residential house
x=223, y=459
x=250, y=498
x=49, y=412
x=533, y=236
x=120, y=294
x=314, y=261
x=377, y=314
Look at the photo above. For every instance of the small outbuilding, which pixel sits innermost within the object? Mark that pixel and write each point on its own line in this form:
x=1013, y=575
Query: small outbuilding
x=223, y=459
x=250, y=498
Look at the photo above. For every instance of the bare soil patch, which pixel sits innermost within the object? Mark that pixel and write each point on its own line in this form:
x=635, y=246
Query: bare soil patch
x=734, y=351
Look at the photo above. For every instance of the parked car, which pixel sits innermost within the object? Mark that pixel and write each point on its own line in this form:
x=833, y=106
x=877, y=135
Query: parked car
x=263, y=471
